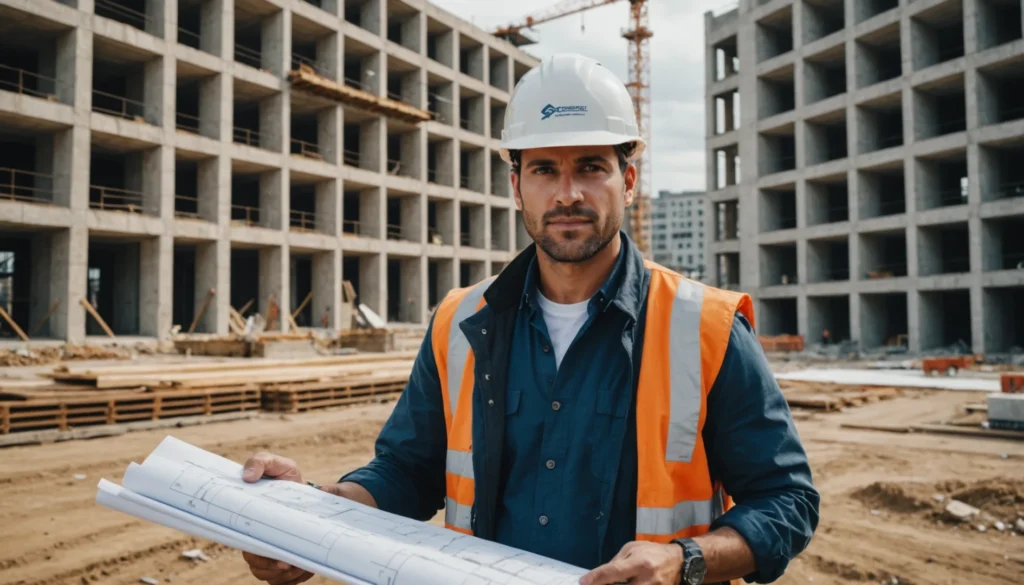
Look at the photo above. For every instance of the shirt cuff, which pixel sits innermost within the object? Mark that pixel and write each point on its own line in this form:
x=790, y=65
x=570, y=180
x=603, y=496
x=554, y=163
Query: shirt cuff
x=766, y=544
x=380, y=489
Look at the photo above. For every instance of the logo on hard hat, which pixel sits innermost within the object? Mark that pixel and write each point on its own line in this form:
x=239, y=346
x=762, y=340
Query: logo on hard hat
x=562, y=111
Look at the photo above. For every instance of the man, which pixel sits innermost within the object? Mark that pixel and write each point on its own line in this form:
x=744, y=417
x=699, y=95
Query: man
x=662, y=452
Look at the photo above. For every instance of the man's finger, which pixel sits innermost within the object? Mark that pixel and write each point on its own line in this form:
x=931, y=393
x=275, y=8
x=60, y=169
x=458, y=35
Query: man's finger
x=268, y=575
x=270, y=465
x=258, y=562
x=607, y=574
x=288, y=576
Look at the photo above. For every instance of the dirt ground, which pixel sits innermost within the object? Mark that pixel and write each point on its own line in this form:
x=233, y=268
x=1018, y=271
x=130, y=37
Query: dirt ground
x=879, y=516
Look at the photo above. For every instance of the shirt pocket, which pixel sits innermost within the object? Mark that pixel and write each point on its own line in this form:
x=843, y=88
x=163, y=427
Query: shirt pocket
x=512, y=398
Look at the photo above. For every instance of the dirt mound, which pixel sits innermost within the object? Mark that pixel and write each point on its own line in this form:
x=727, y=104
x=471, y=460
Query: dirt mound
x=49, y=355
x=1000, y=497
x=893, y=497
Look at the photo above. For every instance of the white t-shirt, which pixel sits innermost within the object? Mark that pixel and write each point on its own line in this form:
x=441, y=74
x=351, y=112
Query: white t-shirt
x=563, y=321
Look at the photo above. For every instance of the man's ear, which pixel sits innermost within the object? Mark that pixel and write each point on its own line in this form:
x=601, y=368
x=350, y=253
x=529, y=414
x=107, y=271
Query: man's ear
x=515, y=191
x=630, y=184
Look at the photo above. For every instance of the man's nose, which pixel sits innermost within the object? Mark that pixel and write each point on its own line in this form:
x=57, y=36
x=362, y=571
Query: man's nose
x=569, y=191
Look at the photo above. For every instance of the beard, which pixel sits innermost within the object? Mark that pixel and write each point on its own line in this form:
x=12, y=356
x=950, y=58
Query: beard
x=574, y=245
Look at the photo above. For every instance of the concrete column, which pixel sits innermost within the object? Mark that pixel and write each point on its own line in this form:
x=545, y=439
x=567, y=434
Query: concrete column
x=326, y=287
x=274, y=127
x=372, y=144
x=855, y=318
x=42, y=268
x=413, y=148
x=213, y=271
x=65, y=65
x=163, y=17
x=329, y=195
x=215, y=191
x=83, y=73
x=329, y=134
x=216, y=29
x=158, y=181
x=159, y=91
x=69, y=257
x=373, y=283
x=446, y=223
x=374, y=17
x=414, y=218
x=62, y=165
x=277, y=42
x=215, y=107
x=274, y=268
x=274, y=199
x=977, y=316
x=447, y=49
x=423, y=314
x=414, y=32
x=156, y=257
x=914, y=329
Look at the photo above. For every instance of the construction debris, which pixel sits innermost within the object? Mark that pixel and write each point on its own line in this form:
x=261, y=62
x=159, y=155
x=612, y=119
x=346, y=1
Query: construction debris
x=961, y=512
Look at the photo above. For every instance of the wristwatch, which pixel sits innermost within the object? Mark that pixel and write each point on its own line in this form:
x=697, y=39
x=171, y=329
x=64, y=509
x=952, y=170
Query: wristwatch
x=694, y=567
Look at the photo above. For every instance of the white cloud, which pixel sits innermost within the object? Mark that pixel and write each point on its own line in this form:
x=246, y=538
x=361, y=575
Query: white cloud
x=677, y=68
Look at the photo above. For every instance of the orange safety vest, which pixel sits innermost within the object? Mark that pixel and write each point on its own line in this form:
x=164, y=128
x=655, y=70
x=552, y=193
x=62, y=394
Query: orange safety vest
x=687, y=332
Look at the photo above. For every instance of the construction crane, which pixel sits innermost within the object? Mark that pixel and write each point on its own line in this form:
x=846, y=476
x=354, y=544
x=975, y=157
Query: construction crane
x=639, y=84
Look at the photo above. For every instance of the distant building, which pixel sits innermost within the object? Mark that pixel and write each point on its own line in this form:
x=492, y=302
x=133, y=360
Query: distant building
x=677, y=232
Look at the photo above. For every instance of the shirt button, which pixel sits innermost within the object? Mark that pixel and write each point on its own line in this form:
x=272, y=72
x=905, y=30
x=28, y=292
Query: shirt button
x=543, y=520
x=550, y=464
x=487, y=376
x=490, y=402
x=556, y=405
x=546, y=348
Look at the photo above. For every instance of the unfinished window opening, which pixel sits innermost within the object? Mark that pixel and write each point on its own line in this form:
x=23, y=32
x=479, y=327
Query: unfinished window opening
x=250, y=29
x=828, y=200
x=501, y=182
x=880, y=124
x=131, y=12
x=403, y=217
x=186, y=189
x=403, y=150
x=471, y=57
x=353, y=144
x=943, y=249
x=825, y=75
x=1003, y=243
x=499, y=71
x=726, y=220
x=822, y=18
x=942, y=181
x=497, y=118
x=246, y=204
x=471, y=272
x=26, y=259
x=352, y=223
x=727, y=112
x=404, y=25
x=937, y=34
x=183, y=285
x=1001, y=174
x=828, y=260
x=778, y=264
x=774, y=34
x=883, y=192
x=117, y=181
x=247, y=123
x=305, y=132
x=946, y=320
x=727, y=166
x=364, y=13
x=777, y=150
x=404, y=302
x=440, y=280
x=826, y=138
x=245, y=281
x=883, y=320
x=778, y=317
x=878, y=56
x=999, y=22
x=441, y=222
x=440, y=42
x=1001, y=93
x=471, y=111
x=351, y=270
x=828, y=314
x=500, y=239
x=113, y=285
x=404, y=82
x=121, y=88
x=441, y=99
x=940, y=108
x=187, y=117
x=776, y=92
x=361, y=67
x=301, y=291
x=865, y=9
x=36, y=60
x=1004, y=319
x=472, y=225
x=440, y=160
x=190, y=25
x=302, y=216
x=727, y=268
x=883, y=254
x=778, y=208
x=727, y=61
x=472, y=160
x=27, y=159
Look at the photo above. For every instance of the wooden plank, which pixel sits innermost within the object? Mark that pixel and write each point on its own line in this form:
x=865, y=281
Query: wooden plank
x=302, y=305
x=5, y=419
x=241, y=310
x=970, y=432
x=10, y=321
x=876, y=427
x=202, y=310
x=95, y=315
x=292, y=323
x=39, y=324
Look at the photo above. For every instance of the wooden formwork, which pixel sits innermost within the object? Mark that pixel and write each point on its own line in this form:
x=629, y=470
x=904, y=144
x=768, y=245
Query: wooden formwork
x=300, y=397
x=112, y=408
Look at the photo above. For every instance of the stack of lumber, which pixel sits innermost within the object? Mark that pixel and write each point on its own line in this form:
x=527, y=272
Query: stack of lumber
x=782, y=343
x=830, y=401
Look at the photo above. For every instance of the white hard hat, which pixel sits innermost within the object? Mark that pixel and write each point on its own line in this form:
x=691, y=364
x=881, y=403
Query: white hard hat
x=569, y=100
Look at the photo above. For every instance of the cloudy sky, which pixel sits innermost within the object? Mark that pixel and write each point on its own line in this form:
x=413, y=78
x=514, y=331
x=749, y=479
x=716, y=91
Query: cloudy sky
x=677, y=67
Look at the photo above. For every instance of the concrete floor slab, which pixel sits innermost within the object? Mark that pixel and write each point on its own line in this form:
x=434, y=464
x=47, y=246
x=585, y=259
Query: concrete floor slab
x=900, y=379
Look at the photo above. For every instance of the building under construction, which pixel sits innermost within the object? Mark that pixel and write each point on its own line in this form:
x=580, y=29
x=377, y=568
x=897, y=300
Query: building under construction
x=163, y=159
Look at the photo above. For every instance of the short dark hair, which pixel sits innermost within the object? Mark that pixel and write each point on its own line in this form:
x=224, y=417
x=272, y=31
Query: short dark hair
x=624, y=151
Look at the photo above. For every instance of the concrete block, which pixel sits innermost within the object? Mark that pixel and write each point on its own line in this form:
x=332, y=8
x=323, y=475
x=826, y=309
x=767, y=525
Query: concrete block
x=1006, y=407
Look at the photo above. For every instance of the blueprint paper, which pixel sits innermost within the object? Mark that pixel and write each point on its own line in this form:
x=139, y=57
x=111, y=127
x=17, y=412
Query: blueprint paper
x=201, y=493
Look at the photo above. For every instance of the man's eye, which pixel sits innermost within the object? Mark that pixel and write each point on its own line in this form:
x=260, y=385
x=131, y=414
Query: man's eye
x=542, y=170
x=591, y=168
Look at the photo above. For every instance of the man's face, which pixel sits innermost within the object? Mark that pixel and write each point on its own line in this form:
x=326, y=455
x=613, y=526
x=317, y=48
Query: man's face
x=573, y=199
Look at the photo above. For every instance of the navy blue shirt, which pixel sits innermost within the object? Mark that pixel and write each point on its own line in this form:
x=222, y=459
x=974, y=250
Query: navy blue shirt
x=569, y=470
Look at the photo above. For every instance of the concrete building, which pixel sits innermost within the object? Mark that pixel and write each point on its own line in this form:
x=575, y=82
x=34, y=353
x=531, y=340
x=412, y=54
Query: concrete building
x=881, y=194
x=677, y=232
x=155, y=150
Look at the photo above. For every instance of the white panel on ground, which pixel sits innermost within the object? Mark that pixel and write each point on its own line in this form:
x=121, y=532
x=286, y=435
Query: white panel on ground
x=897, y=379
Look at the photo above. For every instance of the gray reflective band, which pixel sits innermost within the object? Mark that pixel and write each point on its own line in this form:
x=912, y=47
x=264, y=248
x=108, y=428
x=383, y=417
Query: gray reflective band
x=460, y=463
x=458, y=345
x=684, y=368
x=666, y=521
x=457, y=515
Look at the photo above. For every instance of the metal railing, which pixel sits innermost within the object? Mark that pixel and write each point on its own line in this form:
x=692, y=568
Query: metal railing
x=1009, y=190
x=115, y=11
x=248, y=56
x=889, y=141
x=22, y=82
x=892, y=207
x=950, y=197
x=439, y=177
x=466, y=239
x=302, y=221
x=189, y=38
x=245, y=215
x=350, y=158
x=951, y=126
x=394, y=232
x=246, y=136
x=357, y=84
x=1013, y=261
x=351, y=227
x=394, y=167
x=466, y=124
x=186, y=122
x=114, y=199
x=464, y=182
x=786, y=222
x=298, y=60
x=115, y=105
x=893, y=270
x=306, y=149
x=27, y=186
x=186, y=206
x=836, y=274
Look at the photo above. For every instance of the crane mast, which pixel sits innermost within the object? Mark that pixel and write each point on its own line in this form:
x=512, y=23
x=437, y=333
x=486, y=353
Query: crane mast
x=639, y=35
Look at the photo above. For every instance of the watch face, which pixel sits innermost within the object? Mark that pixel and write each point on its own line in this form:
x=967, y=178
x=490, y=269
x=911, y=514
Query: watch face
x=696, y=569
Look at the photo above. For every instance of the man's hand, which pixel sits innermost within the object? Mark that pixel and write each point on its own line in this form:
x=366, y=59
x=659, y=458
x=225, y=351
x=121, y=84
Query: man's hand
x=640, y=563
x=267, y=465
